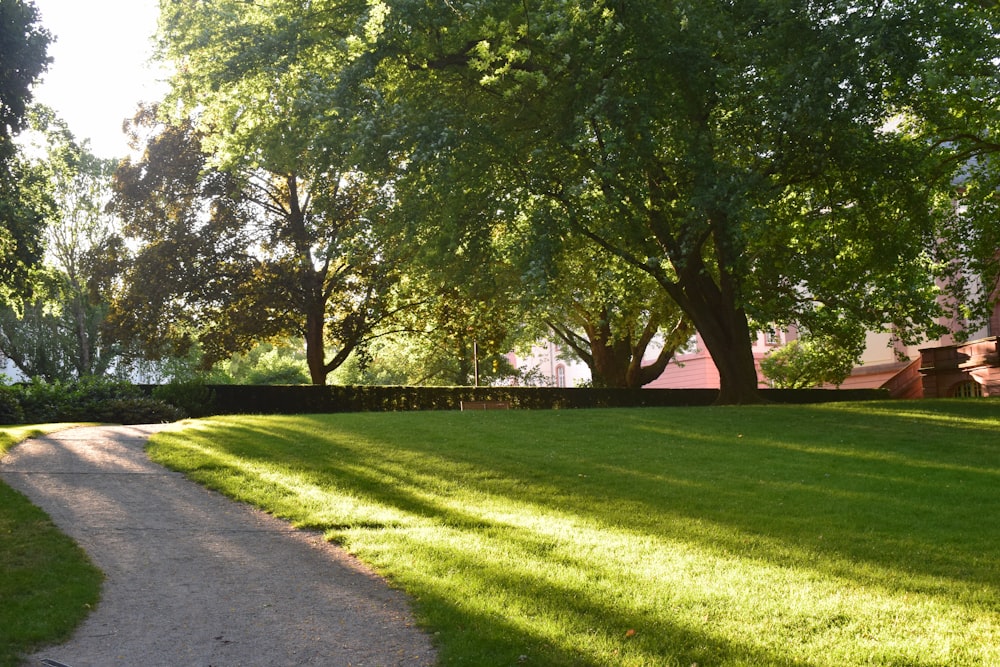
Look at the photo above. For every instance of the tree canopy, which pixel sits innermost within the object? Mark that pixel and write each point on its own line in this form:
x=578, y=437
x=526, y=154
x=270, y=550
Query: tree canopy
x=248, y=255
x=764, y=162
x=825, y=163
x=23, y=58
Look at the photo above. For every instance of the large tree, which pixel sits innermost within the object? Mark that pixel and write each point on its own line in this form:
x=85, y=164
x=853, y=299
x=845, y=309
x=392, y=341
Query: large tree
x=612, y=316
x=236, y=256
x=254, y=80
x=55, y=328
x=743, y=154
x=24, y=204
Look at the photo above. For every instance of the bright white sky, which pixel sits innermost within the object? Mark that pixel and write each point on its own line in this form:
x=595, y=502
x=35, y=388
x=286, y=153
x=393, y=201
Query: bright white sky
x=100, y=69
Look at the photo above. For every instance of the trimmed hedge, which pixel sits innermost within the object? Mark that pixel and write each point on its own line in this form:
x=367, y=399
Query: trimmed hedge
x=304, y=399
x=120, y=402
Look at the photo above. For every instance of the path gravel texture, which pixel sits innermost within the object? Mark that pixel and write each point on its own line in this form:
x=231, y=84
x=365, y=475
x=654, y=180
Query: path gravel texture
x=193, y=578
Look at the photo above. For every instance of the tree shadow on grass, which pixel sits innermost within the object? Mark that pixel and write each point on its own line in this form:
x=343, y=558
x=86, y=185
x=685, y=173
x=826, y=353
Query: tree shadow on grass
x=805, y=495
x=742, y=489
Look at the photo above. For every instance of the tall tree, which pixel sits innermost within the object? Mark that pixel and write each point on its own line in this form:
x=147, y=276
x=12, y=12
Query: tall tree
x=23, y=201
x=255, y=79
x=55, y=328
x=741, y=154
x=83, y=242
x=248, y=255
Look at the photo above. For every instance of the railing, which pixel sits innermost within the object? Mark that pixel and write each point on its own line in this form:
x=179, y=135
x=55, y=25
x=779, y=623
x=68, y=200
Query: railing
x=908, y=382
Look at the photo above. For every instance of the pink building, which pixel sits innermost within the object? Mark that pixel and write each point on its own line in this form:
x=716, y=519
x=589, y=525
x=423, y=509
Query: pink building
x=937, y=368
x=693, y=368
x=547, y=366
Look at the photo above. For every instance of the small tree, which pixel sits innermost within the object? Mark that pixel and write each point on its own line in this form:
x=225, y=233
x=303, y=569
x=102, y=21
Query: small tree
x=808, y=362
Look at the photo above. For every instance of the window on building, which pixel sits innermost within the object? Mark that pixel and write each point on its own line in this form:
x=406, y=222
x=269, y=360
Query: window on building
x=560, y=376
x=968, y=389
x=772, y=337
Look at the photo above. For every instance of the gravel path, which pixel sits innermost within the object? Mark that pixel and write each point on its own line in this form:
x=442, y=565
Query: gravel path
x=193, y=578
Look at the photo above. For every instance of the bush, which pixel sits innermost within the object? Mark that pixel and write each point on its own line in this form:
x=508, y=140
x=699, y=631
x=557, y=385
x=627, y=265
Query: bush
x=43, y=402
x=141, y=410
x=11, y=411
x=808, y=362
x=85, y=399
x=91, y=400
x=193, y=397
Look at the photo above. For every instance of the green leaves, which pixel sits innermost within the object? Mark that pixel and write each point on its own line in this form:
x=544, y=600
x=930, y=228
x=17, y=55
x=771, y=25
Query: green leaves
x=749, y=157
x=809, y=362
x=23, y=58
x=748, y=142
x=24, y=200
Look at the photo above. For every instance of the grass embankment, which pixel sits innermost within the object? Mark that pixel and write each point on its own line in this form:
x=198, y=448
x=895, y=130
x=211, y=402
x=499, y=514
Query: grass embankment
x=47, y=583
x=864, y=534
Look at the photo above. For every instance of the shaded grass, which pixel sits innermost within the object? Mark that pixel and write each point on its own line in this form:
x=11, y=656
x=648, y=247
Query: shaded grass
x=778, y=535
x=47, y=583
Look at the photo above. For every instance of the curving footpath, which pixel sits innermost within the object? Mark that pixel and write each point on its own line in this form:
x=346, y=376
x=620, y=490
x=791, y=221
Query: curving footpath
x=192, y=578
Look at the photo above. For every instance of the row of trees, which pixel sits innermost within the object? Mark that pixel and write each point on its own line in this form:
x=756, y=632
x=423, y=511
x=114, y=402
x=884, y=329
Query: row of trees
x=477, y=173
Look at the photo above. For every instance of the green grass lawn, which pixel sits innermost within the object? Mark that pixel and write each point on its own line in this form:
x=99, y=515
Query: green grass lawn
x=47, y=583
x=849, y=534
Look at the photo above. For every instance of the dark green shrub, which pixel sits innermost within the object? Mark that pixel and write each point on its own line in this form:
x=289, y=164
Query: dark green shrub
x=258, y=399
x=11, y=411
x=84, y=399
x=78, y=400
x=193, y=397
x=139, y=410
x=43, y=402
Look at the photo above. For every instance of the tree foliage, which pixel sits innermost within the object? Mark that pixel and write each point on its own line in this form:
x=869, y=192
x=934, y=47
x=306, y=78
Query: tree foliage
x=24, y=204
x=26, y=207
x=23, y=58
x=266, y=363
x=244, y=254
x=763, y=163
x=55, y=328
x=741, y=154
x=608, y=313
x=254, y=78
x=808, y=362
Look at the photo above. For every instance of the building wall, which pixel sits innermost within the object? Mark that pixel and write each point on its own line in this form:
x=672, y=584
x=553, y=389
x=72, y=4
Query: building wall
x=544, y=359
x=967, y=369
x=695, y=369
x=883, y=360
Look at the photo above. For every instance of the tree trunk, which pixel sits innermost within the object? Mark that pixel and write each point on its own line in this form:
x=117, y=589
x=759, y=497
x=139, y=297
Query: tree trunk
x=609, y=359
x=315, y=354
x=618, y=364
x=466, y=363
x=84, y=362
x=725, y=331
x=311, y=284
x=639, y=375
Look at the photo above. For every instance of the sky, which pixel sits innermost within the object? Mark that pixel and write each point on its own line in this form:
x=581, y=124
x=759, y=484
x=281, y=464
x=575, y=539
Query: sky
x=100, y=69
